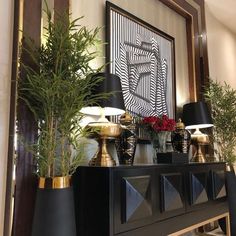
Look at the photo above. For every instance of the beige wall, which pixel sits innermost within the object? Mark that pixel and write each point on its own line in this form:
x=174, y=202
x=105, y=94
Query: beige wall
x=221, y=50
x=6, y=21
x=156, y=14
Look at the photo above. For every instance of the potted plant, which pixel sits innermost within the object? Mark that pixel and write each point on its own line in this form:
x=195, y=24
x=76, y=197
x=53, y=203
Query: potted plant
x=55, y=89
x=222, y=99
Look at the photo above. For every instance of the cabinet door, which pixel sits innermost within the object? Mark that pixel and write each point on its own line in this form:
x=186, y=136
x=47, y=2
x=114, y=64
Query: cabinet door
x=218, y=184
x=133, y=198
x=172, y=192
x=136, y=202
x=198, y=187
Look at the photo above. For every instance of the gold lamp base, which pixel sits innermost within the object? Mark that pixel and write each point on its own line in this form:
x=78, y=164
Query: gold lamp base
x=102, y=157
x=198, y=156
x=198, y=140
x=104, y=131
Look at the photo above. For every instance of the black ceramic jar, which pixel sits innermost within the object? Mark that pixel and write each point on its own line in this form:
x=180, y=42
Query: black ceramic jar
x=126, y=143
x=181, y=138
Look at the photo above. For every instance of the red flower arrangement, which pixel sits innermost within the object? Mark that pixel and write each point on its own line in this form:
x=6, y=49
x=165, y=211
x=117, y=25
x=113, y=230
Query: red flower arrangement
x=157, y=124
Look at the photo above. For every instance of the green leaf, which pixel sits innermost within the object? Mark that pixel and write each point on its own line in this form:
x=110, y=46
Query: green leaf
x=56, y=84
x=222, y=100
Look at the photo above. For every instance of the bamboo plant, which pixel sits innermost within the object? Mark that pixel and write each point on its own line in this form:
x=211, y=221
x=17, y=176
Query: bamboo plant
x=222, y=99
x=55, y=89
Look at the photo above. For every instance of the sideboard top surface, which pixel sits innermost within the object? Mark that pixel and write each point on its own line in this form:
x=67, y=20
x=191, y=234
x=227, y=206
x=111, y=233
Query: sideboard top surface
x=158, y=165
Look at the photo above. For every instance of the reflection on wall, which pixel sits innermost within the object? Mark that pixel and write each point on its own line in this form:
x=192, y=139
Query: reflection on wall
x=221, y=52
x=156, y=14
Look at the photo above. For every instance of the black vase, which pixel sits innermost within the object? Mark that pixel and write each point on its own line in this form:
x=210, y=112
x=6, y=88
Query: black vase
x=54, y=213
x=181, y=138
x=126, y=143
x=231, y=194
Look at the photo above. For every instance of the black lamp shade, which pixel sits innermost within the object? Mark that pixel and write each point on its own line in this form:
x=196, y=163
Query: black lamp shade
x=114, y=105
x=196, y=115
x=111, y=83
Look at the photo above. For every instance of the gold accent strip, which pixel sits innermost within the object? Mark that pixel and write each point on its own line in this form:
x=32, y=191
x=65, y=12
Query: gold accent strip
x=228, y=232
x=55, y=182
x=186, y=230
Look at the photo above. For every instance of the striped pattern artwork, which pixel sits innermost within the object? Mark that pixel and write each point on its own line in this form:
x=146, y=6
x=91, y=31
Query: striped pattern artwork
x=142, y=59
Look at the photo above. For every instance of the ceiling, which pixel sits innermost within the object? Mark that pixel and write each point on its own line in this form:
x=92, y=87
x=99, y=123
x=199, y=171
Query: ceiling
x=224, y=11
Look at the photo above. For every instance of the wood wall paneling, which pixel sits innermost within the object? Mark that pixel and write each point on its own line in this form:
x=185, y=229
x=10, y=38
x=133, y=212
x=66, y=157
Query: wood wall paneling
x=25, y=178
x=197, y=44
x=204, y=52
x=11, y=148
x=26, y=181
x=61, y=6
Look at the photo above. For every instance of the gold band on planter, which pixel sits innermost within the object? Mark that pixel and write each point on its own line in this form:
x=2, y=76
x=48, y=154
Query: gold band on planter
x=55, y=182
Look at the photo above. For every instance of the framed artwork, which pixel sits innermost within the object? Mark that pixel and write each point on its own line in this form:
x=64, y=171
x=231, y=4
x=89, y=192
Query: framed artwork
x=144, y=59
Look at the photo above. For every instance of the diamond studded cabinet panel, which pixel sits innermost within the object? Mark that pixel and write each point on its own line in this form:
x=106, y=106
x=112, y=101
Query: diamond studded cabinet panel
x=152, y=200
x=147, y=195
x=135, y=198
x=218, y=184
x=172, y=192
x=198, y=187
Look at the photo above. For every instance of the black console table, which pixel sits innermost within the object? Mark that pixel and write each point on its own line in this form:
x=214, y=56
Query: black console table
x=148, y=200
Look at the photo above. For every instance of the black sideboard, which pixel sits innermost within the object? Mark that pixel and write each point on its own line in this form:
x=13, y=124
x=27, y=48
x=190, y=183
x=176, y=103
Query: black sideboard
x=147, y=199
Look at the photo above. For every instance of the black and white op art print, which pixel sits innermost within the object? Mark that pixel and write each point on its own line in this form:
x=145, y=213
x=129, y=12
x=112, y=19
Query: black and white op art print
x=144, y=61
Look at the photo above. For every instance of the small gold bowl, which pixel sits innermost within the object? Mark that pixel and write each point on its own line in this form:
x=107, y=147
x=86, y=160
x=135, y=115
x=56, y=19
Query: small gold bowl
x=105, y=129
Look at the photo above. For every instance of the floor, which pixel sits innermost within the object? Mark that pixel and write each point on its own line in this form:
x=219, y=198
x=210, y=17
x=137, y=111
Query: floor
x=216, y=232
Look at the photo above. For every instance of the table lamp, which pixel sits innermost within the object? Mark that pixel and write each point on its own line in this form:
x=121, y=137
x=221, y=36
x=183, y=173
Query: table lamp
x=196, y=116
x=104, y=129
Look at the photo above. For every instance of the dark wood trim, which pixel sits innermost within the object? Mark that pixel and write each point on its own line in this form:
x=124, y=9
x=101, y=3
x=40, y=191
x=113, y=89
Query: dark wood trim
x=26, y=181
x=61, y=6
x=191, y=69
x=205, y=64
x=61, y=9
x=11, y=148
x=198, y=49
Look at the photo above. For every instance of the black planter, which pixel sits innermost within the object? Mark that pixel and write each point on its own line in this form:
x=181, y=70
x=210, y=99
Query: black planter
x=54, y=213
x=231, y=192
